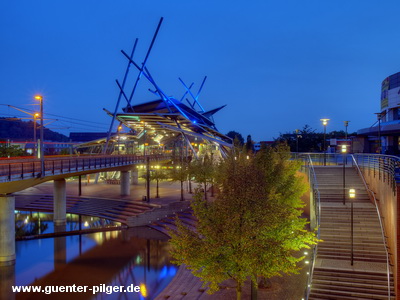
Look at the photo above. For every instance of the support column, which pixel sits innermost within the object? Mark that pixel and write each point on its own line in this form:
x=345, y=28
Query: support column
x=60, y=202
x=125, y=180
x=7, y=280
x=60, y=247
x=135, y=176
x=7, y=230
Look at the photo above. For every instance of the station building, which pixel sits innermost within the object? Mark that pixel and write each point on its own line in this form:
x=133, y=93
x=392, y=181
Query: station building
x=384, y=136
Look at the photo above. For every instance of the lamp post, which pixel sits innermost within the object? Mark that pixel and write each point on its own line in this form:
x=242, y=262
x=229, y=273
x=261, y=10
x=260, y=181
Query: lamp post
x=352, y=195
x=344, y=150
x=324, y=122
x=119, y=137
x=144, y=138
x=297, y=141
x=41, y=150
x=35, y=116
x=346, y=124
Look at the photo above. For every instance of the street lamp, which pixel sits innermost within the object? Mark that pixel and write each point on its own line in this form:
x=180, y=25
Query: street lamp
x=344, y=150
x=352, y=196
x=297, y=141
x=324, y=122
x=119, y=138
x=346, y=124
x=35, y=116
x=41, y=150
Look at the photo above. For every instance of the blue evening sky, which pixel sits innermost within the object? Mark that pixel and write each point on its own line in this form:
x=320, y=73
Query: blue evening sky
x=278, y=65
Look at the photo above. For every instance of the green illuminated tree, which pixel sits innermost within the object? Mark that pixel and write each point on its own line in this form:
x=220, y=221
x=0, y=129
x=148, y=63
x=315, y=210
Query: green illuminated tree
x=11, y=151
x=157, y=176
x=180, y=173
x=253, y=228
x=203, y=171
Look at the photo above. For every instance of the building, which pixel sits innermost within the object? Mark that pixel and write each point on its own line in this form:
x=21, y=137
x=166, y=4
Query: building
x=383, y=136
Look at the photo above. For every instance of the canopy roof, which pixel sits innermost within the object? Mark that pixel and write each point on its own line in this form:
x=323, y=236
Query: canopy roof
x=160, y=116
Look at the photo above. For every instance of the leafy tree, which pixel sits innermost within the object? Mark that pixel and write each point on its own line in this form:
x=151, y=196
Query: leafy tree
x=308, y=139
x=237, y=138
x=253, y=227
x=157, y=176
x=180, y=173
x=11, y=151
x=249, y=144
x=203, y=171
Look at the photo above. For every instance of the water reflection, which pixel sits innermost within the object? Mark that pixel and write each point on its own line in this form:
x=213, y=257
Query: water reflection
x=34, y=223
x=111, y=258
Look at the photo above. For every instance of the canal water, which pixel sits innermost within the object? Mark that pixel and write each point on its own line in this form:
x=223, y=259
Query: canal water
x=123, y=258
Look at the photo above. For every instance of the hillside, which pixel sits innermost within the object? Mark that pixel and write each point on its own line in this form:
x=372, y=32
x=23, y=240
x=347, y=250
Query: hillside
x=15, y=129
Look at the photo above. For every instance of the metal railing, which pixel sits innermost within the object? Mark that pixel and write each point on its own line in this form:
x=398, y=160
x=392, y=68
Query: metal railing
x=30, y=168
x=386, y=167
x=309, y=170
x=372, y=195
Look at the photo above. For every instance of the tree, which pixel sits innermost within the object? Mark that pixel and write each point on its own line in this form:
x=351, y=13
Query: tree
x=203, y=171
x=249, y=144
x=180, y=173
x=308, y=139
x=253, y=227
x=11, y=151
x=157, y=176
x=237, y=138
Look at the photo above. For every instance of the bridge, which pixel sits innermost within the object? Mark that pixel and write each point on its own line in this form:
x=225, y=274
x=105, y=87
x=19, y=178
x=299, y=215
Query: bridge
x=19, y=174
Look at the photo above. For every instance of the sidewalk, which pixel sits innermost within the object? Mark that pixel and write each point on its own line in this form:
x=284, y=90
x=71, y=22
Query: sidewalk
x=169, y=191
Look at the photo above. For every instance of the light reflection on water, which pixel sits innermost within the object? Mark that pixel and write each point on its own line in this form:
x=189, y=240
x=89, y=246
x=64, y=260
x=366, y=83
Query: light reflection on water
x=33, y=223
x=112, y=258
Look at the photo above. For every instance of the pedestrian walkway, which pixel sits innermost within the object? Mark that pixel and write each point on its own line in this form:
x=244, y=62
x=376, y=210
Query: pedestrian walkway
x=100, y=200
x=334, y=277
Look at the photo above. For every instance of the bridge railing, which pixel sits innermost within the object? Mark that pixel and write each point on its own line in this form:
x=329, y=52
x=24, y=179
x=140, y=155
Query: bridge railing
x=315, y=212
x=15, y=170
x=382, y=228
x=386, y=167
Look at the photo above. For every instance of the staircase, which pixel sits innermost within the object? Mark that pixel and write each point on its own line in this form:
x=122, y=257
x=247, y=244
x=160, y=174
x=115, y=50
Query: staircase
x=168, y=223
x=334, y=277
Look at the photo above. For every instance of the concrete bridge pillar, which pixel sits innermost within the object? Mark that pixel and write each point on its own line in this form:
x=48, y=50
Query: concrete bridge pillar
x=7, y=279
x=135, y=176
x=60, y=202
x=60, y=247
x=7, y=230
x=125, y=180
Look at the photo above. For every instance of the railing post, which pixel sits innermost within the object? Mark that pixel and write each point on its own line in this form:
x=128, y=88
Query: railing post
x=9, y=172
x=33, y=169
x=22, y=170
x=53, y=166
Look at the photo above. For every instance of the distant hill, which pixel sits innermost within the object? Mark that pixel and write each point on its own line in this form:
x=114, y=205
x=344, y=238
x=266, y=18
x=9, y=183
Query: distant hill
x=16, y=129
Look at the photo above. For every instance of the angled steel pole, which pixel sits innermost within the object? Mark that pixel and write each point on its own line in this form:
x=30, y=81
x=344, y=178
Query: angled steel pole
x=186, y=92
x=145, y=61
x=191, y=94
x=119, y=97
x=201, y=87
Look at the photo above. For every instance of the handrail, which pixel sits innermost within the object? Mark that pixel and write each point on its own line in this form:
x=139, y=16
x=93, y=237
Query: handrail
x=22, y=169
x=317, y=209
x=380, y=223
